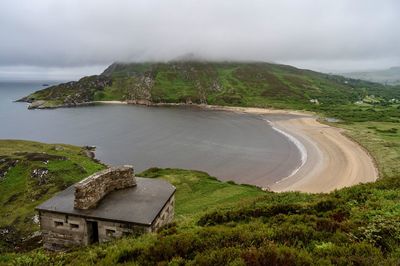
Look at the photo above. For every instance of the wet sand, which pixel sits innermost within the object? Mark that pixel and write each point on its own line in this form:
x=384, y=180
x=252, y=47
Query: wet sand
x=333, y=160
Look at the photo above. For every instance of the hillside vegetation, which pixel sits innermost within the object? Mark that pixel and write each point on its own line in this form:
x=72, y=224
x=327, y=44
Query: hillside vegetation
x=31, y=172
x=235, y=84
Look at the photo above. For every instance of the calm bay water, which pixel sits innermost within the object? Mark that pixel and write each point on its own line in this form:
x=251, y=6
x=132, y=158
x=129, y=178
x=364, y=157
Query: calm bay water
x=229, y=146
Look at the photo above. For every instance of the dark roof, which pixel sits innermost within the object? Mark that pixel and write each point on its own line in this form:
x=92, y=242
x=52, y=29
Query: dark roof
x=139, y=204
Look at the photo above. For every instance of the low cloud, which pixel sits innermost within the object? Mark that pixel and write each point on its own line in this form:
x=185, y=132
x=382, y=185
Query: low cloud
x=324, y=35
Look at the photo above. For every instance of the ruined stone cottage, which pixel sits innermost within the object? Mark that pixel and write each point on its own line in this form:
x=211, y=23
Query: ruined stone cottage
x=106, y=205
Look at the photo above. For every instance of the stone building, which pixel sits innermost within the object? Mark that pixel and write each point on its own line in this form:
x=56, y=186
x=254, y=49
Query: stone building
x=106, y=205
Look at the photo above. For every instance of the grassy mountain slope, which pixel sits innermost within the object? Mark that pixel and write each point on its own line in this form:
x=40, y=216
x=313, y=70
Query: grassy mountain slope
x=31, y=172
x=238, y=84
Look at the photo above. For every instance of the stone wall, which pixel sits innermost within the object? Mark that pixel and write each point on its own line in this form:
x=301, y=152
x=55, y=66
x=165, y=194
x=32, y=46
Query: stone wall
x=92, y=189
x=166, y=215
x=61, y=232
x=111, y=230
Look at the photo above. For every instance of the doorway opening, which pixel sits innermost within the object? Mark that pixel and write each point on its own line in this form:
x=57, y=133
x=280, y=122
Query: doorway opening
x=92, y=232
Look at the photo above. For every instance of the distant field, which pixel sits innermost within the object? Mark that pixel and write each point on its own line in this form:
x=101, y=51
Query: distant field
x=389, y=76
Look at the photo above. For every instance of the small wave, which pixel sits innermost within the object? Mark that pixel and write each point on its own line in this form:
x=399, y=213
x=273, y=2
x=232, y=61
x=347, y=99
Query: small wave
x=297, y=143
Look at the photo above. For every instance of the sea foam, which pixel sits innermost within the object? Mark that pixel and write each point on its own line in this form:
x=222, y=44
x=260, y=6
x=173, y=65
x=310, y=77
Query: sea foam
x=297, y=143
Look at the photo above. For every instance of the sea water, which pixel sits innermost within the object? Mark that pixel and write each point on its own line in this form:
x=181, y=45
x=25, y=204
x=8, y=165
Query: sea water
x=227, y=145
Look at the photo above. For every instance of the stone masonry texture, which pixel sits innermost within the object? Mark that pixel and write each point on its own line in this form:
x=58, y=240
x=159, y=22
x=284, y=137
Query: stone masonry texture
x=92, y=189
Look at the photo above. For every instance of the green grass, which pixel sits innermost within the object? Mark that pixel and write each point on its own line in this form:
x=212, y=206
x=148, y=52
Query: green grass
x=356, y=113
x=21, y=191
x=382, y=139
x=197, y=192
x=353, y=226
x=109, y=94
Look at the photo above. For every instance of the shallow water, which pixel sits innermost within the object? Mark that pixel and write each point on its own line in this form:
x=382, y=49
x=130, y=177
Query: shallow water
x=230, y=146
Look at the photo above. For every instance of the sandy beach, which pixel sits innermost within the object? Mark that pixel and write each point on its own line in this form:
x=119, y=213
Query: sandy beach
x=110, y=102
x=331, y=160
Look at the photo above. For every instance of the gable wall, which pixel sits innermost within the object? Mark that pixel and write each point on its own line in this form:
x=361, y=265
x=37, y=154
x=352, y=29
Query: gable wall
x=166, y=215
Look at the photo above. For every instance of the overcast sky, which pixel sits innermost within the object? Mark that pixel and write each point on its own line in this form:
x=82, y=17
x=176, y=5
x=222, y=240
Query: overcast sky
x=69, y=38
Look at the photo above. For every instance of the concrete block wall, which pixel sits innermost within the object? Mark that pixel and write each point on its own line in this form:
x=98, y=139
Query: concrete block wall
x=92, y=189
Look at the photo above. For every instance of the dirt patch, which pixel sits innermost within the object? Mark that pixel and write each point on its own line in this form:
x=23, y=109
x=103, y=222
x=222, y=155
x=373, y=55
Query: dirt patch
x=12, y=198
x=41, y=157
x=6, y=163
x=13, y=240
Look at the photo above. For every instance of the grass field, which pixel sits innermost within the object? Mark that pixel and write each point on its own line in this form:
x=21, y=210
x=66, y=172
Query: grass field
x=198, y=192
x=382, y=139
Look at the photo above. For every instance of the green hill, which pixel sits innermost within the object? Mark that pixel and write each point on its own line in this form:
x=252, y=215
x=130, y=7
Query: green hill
x=224, y=83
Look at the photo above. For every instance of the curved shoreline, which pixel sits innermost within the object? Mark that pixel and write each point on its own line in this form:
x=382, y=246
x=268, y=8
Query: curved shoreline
x=333, y=160
x=298, y=144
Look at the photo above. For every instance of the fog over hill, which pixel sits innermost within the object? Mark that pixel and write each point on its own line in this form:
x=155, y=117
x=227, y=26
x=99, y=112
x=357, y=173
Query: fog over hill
x=389, y=76
x=69, y=39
